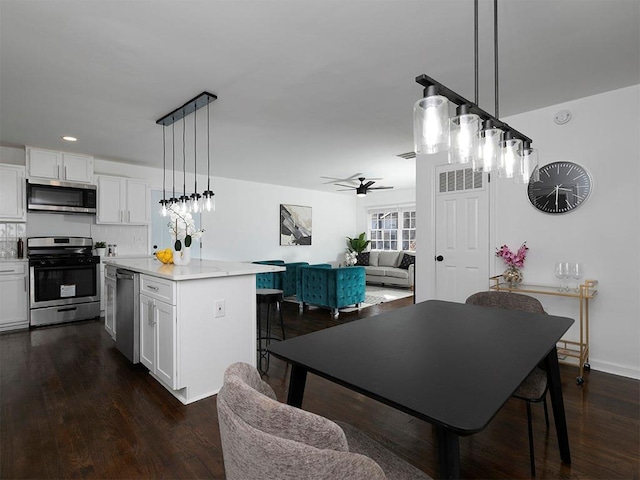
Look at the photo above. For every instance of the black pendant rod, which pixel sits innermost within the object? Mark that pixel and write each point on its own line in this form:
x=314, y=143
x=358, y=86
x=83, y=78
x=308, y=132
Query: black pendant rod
x=164, y=168
x=475, y=50
x=208, y=155
x=495, y=52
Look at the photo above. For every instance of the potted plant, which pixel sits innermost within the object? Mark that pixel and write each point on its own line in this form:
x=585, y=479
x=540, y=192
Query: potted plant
x=101, y=248
x=358, y=244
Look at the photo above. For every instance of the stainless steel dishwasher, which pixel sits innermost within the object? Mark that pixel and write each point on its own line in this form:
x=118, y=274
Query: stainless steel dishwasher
x=128, y=314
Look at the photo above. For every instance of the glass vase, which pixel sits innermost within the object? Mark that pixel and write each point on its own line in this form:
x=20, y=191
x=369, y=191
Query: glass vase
x=512, y=277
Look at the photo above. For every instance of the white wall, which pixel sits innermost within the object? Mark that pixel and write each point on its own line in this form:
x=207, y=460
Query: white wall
x=245, y=225
x=603, y=234
x=380, y=199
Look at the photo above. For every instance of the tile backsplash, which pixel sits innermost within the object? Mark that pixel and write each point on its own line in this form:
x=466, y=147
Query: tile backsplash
x=130, y=239
x=9, y=235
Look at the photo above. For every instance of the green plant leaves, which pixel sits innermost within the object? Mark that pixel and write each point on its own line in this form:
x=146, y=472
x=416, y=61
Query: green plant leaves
x=187, y=241
x=359, y=243
x=177, y=246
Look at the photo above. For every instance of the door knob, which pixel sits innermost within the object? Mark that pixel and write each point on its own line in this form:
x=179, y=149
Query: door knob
x=439, y=258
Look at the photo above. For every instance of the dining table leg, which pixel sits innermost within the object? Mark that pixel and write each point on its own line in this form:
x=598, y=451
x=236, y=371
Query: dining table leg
x=555, y=391
x=448, y=453
x=297, y=381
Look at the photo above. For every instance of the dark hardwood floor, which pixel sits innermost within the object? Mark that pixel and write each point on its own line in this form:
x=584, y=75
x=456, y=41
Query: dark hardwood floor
x=73, y=407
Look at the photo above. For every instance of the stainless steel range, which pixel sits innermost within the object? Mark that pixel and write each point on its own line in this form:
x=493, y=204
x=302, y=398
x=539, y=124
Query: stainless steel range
x=64, y=280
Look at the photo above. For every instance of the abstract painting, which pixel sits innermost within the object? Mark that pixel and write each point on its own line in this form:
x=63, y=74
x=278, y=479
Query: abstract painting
x=295, y=225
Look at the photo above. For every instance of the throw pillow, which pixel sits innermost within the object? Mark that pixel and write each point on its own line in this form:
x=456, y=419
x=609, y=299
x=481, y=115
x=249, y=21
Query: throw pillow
x=407, y=259
x=363, y=259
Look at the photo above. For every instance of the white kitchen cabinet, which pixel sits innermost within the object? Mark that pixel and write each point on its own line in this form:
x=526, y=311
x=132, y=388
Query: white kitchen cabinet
x=51, y=164
x=14, y=296
x=123, y=201
x=158, y=330
x=109, y=299
x=12, y=193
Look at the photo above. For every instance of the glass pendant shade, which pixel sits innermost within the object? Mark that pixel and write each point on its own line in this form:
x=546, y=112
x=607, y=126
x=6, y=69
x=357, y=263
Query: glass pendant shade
x=431, y=123
x=464, y=136
x=209, y=203
x=490, y=139
x=163, y=207
x=509, y=157
x=528, y=165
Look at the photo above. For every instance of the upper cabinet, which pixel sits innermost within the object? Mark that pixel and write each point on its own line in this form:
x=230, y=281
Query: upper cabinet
x=12, y=193
x=123, y=201
x=68, y=167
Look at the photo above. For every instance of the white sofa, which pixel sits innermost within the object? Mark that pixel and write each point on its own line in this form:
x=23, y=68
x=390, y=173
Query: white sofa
x=383, y=268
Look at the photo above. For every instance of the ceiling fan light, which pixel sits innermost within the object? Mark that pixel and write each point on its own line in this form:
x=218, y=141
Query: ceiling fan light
x=361, y=191
x=464, y=136
x=431, y=122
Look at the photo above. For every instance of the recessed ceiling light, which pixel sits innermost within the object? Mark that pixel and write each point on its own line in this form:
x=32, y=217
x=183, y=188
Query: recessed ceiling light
x=68, y=138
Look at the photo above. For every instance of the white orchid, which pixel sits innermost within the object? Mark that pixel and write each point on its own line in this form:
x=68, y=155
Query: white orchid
x=350, y=258
x=182, y=227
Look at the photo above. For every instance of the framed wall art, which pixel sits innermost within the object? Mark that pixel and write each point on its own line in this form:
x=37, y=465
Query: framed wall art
x=295, y=225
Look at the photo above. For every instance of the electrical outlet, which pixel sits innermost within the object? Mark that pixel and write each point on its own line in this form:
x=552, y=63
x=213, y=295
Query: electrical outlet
x=219, y=308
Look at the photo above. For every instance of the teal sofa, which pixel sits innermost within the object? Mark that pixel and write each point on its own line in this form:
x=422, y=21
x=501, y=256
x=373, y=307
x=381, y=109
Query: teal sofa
x=332, y=288
x=269, y=279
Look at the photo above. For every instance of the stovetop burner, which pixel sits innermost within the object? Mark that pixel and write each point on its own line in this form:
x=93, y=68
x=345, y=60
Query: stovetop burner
x=58, y=250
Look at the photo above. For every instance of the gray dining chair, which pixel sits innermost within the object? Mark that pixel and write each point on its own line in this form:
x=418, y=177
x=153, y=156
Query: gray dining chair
x=264, y=438
x=534, y=388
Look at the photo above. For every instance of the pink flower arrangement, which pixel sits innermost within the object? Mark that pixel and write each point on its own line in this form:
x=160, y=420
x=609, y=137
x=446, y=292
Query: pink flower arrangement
x=513, y=259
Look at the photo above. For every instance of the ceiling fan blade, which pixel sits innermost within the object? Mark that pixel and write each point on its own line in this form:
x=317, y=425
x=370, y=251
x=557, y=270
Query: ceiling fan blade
x=347, y=186
x=368, y=184
x=380, y=188
x=352, y=178
x=344, y=190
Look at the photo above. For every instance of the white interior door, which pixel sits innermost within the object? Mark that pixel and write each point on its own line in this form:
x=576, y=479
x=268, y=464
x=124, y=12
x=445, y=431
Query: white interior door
x=462, y=232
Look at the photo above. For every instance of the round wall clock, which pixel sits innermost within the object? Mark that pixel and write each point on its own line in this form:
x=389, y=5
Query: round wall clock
x=562, y=188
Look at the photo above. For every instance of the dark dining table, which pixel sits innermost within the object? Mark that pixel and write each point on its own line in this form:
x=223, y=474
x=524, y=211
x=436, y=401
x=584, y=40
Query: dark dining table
x=450, y=364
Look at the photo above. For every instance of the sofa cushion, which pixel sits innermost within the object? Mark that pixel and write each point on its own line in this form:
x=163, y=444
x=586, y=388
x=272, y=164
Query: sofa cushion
x=363, y=259
x=397, y=273
x=407, y=259
x=380, y=271
x=373, y=258
x=388, y=259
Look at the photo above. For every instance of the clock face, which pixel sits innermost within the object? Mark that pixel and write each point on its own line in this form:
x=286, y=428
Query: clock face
x=563, y=187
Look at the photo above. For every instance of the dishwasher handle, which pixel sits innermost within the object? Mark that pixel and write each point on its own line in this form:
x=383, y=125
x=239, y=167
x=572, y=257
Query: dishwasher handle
x=124, y=275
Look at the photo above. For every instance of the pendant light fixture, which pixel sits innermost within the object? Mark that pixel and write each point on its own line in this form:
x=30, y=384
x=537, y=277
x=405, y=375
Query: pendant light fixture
x=195, y=196
x=193, y=202
x=496, y=146
x=164, y=202
x=208, y=195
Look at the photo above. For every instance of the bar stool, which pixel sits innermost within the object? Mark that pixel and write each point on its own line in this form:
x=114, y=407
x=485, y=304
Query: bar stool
x=270, y=298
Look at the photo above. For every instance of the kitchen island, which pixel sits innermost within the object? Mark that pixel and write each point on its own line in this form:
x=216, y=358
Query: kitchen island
x=195, y=320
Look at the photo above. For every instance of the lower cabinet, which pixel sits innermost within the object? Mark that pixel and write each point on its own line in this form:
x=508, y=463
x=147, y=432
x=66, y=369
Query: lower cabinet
x=158, y=337
x=109, y=296
x=14, y=297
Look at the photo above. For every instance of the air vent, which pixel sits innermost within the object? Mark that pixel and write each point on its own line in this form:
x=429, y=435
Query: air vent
x=407, y=155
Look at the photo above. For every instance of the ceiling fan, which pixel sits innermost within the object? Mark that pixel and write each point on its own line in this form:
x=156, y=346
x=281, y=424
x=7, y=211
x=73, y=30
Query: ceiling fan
x=363, y=188
x=352, y=179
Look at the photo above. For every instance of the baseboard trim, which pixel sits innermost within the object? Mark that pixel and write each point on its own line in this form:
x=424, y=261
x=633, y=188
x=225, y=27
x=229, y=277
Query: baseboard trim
x=615, y=369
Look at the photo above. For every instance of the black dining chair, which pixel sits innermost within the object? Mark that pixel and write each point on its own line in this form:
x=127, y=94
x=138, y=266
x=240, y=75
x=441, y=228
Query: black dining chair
x=534, y=388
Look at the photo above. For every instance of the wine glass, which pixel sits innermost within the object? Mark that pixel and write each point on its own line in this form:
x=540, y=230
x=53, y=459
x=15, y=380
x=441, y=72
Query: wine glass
x=562, y=272
x=576, y=274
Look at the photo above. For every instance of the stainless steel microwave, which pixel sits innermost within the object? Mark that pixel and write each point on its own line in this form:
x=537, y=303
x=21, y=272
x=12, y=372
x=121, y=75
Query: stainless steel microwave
x=61, y=197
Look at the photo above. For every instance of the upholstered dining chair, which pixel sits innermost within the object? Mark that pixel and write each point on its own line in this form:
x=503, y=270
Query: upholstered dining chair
x=534, y=388
x=263, y=438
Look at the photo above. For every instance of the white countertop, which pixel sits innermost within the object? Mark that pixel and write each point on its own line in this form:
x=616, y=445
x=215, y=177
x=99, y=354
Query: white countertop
x=195, y=270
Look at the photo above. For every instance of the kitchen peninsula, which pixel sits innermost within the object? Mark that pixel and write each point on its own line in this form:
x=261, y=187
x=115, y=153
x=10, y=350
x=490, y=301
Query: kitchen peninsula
x=195, y=320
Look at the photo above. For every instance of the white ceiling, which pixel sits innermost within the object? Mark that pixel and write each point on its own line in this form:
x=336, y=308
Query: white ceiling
x=306, y=87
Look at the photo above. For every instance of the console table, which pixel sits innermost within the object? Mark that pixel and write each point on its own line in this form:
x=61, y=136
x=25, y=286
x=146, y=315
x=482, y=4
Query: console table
x=585, y=292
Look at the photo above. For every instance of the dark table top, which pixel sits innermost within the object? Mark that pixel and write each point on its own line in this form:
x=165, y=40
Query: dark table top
x=451, y=364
